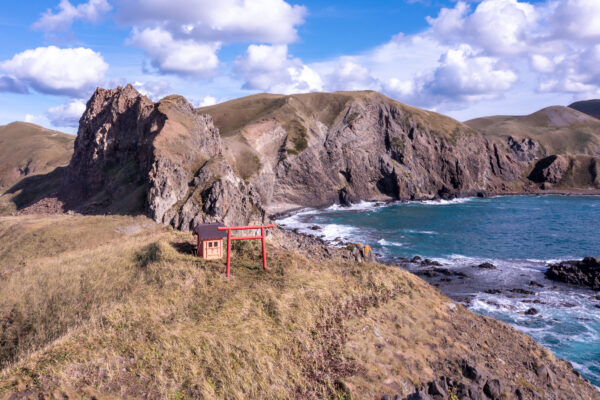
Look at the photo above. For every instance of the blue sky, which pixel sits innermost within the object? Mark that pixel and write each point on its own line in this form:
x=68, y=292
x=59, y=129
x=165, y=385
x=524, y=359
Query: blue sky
x=462, y=58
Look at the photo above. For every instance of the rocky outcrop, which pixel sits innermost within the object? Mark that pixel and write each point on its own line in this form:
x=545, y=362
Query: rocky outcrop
x=583, y=273
x=595, y=172
x=549, y=169
x=134, y=155
x=525, y=150
x=369, y=148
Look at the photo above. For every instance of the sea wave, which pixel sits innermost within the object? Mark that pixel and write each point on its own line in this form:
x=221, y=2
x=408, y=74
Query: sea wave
x=384, y=242
x=420, y=232
x=327, y=232
x=360, y=206
x=442, y=202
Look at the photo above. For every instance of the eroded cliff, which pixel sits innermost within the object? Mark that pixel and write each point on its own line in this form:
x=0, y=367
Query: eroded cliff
x=132, y=154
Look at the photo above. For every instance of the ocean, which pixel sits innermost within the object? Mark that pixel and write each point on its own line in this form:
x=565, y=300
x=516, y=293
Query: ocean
x=520, y=235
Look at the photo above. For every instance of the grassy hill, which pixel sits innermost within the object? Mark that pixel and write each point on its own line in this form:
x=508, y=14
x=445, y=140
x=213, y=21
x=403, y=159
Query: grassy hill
x=559, y=130
x=589, y=107
x=117, y=307
x=27, y=149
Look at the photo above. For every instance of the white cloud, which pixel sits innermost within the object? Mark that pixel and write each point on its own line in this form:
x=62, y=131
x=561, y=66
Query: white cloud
x=207, y=101
x=349, y=75
x=496, y=26
x=577, y=19
x=270, y=21
x=37, y=119
x=52, y=70
x=269, y=68
x=541, y=63
x=155, y=90
x=66, y=115
x=464, y=74
x=62, y=20
x=169, y=55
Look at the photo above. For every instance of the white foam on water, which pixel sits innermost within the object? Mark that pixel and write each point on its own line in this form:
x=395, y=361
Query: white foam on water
x=327, y=232
x=442, y=202
x=421, y=232
x=384, y=242
x=360, y=206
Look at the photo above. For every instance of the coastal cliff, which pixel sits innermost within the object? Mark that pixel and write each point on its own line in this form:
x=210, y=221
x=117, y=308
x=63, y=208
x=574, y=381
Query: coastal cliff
x=170, y=161
x=132, y=154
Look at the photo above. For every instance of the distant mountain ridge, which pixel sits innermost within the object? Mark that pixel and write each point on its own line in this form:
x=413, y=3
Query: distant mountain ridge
x=589, y=107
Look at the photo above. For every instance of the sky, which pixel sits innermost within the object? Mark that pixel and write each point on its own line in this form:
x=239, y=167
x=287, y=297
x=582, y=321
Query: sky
x=465, y=59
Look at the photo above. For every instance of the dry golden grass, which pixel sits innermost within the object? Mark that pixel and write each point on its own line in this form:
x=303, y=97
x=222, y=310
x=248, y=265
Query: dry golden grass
x=133, y=314
x=559, y=130
x=28, y=149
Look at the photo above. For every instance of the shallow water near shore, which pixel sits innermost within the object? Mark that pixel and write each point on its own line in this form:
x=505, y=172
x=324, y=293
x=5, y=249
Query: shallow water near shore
x=518, y=234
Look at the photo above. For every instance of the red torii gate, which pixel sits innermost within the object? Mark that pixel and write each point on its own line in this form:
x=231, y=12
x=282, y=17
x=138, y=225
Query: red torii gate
x=239, y=228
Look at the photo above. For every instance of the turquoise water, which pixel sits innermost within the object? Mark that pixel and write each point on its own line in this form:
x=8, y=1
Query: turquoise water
x=519, y=234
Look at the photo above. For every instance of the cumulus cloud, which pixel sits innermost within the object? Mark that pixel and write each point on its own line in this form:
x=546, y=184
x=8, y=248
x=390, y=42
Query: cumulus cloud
x=66, y=115
x=37, y=119
x=497, y=26
x=269, y=21
x=478, y=51
x=463, y=74
x=63, y=18
x=12, y=85
x=205, y=102
x=155, y=90
x=349, y=75
x=177, y=56
x=270, y=68
x=577, y=19
x=52, y=70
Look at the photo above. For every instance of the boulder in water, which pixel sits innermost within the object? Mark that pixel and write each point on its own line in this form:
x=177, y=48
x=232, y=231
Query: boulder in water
x=582, y=273
x=486, y=265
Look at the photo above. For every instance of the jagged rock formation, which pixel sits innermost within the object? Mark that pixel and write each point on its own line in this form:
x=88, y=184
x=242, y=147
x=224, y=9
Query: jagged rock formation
x=320, y=148
x=550, y=169
x=132, y=154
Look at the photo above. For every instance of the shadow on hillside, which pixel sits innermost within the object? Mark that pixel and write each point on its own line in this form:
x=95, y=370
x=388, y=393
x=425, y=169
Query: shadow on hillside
x=125, y=199
x=184, y=248
x=34, y=188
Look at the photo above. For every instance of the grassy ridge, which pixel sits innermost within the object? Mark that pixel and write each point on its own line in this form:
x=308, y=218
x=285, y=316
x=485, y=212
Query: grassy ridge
x=28, y=149
x=117, y=307
x=559, y=130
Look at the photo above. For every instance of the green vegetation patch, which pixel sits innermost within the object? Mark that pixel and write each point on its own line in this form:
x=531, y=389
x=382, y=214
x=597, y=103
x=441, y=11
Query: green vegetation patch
x=297, y=135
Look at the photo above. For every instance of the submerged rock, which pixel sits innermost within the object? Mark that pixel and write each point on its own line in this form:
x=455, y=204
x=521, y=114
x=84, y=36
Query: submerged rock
x=582, y=273
x=486, y=265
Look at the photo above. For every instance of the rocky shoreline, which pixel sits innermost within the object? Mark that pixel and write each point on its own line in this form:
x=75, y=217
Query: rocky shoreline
x=584, y=272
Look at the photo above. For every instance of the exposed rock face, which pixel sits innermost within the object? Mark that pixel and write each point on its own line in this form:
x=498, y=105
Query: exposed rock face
x=583, y=273
x=595, y=172
x=525, y=150
x=132, y=154
x=549, y=169
x=373, y=148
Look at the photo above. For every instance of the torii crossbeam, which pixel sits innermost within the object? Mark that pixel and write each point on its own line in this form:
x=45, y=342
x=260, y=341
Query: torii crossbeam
x=239, y=228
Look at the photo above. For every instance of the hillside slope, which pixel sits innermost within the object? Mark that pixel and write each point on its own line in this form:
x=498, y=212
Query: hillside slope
x=557, y=129
x=563, y=145
x=117, y=307
x=589, y=107
x=27, y=149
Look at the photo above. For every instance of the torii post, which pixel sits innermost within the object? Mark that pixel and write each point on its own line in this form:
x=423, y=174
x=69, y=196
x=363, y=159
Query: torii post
x=239, y=228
